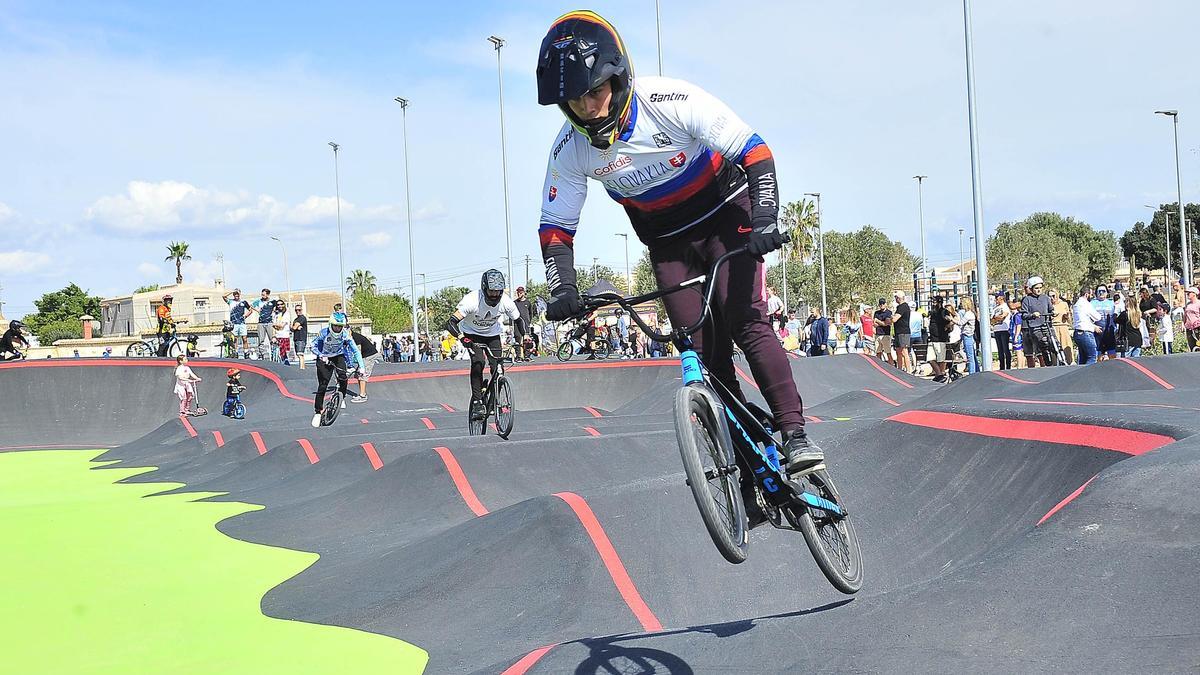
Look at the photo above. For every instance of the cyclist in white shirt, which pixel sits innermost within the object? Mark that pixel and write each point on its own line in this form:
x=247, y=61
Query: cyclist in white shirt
x=476, y=324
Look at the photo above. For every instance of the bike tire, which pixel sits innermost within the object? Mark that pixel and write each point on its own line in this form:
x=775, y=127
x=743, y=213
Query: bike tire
x=174, y=349
x=239, y=411
x=601, y=351
x=505, y=407
x=476, y=427
x=333, y=407
x=702, y=441
x=565, y=351
x=138, y=350
x=833, y=543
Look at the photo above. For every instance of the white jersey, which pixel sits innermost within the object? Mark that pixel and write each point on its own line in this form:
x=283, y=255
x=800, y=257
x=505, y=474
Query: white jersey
x=480, y=318
x=675, y=164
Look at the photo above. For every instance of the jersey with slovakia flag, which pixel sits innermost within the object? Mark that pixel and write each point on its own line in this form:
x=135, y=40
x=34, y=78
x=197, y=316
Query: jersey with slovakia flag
x=675, y=163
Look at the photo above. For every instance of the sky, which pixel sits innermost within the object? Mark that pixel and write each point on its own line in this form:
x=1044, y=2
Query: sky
x=129, y=125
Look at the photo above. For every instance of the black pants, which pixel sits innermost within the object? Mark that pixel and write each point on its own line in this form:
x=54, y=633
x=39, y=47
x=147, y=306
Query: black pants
x=337, y=364
x=739, y=309
x=478, y=357
x=164, y=343
x=519, y=340
x=1003, y=346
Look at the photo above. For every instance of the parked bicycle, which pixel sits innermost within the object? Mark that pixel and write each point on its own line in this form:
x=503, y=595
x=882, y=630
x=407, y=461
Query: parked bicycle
x=577, y=343
x=154, y=345
x=724, y=442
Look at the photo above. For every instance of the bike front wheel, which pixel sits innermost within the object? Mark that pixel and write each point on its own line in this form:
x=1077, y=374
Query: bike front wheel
x=139, y=350
x=174, y=349
x=333, y=406
x=565, y=351
x=239, y=411
x=712, y=471
x=831, y=538
x=601, y=351
x=505, y=409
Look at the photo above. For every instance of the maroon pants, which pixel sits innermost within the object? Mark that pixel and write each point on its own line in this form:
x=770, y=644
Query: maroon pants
x=739, y=311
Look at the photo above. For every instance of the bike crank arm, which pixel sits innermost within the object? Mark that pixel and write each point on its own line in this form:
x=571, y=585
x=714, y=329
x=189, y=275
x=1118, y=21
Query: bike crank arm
x=719, y=472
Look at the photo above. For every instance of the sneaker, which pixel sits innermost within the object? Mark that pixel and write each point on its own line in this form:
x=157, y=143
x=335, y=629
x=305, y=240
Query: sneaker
x=478, y=410
x=361, y=398
x=801, y=452
x=343, y=403
x=316, y=422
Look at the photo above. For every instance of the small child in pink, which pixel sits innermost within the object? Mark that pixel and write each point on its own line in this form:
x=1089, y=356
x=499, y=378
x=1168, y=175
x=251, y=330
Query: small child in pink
x=185, y=384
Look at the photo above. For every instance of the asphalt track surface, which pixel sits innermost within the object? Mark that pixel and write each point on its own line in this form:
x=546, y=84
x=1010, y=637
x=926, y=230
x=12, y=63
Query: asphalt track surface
x=1043, y=520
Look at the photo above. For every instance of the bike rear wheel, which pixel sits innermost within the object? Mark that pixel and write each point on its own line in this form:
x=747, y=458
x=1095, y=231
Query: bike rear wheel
x=139, y=350
x=174, y=349
x=832, y=540
x=711, y=471
x=505, y=410
x=601, y=350
x=333, y=406
x=565, y=351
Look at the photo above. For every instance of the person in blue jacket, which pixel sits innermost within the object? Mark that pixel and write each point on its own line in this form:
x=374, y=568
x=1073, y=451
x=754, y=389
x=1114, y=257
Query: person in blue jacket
x=819, y=330
x=335, y=351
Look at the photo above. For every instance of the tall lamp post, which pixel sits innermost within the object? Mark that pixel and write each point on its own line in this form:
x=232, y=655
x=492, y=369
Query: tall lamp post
x=1183, y=238
x=628, y=276
x=425, y=307
x=412, y=265
x=498, y=43
x=287, y=280
x=1167, y=229
x=962, y=264
x=658, y=31
x=337, y=190
x=921, y=222
x=976, y=186
x=821, y=250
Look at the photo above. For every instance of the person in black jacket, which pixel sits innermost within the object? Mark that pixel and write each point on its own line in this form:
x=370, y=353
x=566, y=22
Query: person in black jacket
x=370, y=356
x=1129, y=330
x=525, y=309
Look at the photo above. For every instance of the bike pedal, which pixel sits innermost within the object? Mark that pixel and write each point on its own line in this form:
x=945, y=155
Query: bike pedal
x=804, y=472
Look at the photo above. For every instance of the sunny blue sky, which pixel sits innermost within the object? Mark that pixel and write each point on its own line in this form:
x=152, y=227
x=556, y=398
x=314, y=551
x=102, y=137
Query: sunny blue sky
x=127, y=125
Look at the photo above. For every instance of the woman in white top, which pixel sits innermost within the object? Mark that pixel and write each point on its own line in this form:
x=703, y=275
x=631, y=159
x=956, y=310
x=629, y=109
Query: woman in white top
x=999, y=319
x=185, y=385
x=966, y=319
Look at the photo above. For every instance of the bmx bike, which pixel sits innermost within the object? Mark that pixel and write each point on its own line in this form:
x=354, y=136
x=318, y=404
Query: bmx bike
x=497, y=398
x=576, y=343
x=724, y=442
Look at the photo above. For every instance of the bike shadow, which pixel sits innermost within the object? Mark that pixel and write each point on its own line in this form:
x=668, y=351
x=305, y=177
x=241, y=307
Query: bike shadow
x=608, y=655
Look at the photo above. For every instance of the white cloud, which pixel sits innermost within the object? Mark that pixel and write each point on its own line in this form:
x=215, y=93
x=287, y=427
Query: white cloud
x=149, y=270
x=167, y=206
x=202, y=272
x=21, y=262
x=377, y=239
x=6, y=212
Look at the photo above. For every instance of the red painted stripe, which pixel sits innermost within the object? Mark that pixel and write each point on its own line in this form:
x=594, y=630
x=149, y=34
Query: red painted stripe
x=810, y=418
x=616, y=569
x=592, y=431
x=309, y=451
x=428, y=423
x=364, y=420
x=875, y=364
x=1088, y=435
x=1006, y=376
x=521, y=667
x=461, y=482
x=372, y=456
x=1068, y=500
x=219, y=439
x=157, y=363
x=493, y=426
x=1095, y=405
x=448, y=408
x=188, y=425
x=593, y=411
x=749, y=380
x=880, y=396
x=1146, y=371
x=258, y=442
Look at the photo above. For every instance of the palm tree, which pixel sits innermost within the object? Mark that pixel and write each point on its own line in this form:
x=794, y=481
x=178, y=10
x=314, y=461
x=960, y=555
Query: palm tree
x=361, y=280
x=178, y=251
x=800, y=219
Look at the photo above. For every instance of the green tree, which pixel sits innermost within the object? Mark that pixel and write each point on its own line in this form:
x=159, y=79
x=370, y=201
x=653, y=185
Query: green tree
x=1065, y=252
x=146, y=289
x=441, y=305
x=58, y=314
x=1148, y=242
x=388, y=312
x=361, y=280
x=800, y=219
x=178, y=252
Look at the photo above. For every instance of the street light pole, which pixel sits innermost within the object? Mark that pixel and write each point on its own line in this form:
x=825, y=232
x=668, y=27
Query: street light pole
x=425, y=306
x=821, y=249
x=921, y=221
x=976, y=186
x=658, y=30
x=498, y=43
x=1186, y=267
x=962, y=265
x=286, y=279
x=628, y=276
x=337, y=189
x=412, y=265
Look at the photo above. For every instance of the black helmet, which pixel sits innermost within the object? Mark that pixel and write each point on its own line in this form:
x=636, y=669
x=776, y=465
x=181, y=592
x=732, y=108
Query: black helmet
x=581, y=52
x=491, y=286
x=16, y=325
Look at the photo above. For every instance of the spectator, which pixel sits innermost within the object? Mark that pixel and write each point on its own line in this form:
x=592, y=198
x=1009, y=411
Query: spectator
x=853, y=330
x=1191, y=317
x=1106, y=340
x=525, y=310
x=1085, y=318
x=282, y=326
x=338, y=313
x=774, y=309
x=883, y=332
x=1129, y=330
x=1000, y=324
x=819, y=330
x=969, y=324
x=1166, y=332
x=1062, y=326
x=868, y=329
x=940, y=324
x=266, y=312
x=1037, y=314
x=901, y=331
x=369, y=357
x=1016, y=332
x=793, y=324
x=300, y=334
x=237, y=316
x=107, y=353
x=622, y=329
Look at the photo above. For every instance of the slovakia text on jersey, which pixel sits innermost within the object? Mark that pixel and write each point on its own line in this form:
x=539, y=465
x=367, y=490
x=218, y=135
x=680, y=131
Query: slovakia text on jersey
x=480, y=318
x=675, y=163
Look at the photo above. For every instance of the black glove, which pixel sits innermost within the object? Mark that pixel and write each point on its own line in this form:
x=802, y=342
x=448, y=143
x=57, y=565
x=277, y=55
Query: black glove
x=565, y=304
x=761, y=243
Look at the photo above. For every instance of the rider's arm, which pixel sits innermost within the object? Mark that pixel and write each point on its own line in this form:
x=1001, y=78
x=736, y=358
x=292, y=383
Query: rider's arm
x=563, y=194
x=514, y=314
x=452, y=324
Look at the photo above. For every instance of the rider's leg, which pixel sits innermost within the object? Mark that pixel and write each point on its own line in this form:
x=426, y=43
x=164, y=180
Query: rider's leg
x=339, y=367
x=477, y=361
x=324, y=370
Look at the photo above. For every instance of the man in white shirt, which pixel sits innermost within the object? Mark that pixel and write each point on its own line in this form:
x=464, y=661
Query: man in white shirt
x=1084, y=319
x=774, y=309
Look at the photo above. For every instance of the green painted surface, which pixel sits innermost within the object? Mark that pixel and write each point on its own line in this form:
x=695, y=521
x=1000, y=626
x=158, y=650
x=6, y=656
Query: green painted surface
x=94, y=578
